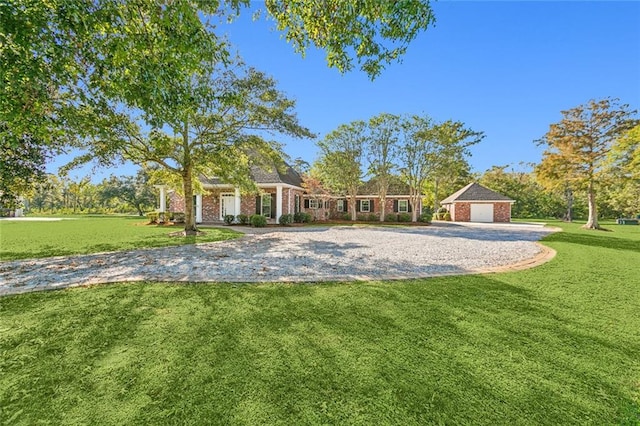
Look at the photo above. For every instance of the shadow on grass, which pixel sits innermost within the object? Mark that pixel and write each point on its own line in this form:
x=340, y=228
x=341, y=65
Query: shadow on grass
x=452, y=350
x=604, y=241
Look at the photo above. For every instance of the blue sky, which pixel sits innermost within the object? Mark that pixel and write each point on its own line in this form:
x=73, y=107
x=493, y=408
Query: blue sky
x=504, y=68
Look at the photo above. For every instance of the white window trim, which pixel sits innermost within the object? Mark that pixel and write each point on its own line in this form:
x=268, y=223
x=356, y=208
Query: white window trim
x=406, y=206
x=313, y=203
x=368, y=210
x=340, y=205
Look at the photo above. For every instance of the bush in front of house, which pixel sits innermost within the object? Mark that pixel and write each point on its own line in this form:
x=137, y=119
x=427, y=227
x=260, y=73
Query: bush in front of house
x=373, y=217
x=425, y=218
x=447, y=216
x=302, y=217
x=229, y=218
x=243, y=219
x=258, y=220
x=346, y=216
x=177, y=217
x=391, y=217
x=361, y=217
x=285, y=219
x=153, y=217
x=404, y=217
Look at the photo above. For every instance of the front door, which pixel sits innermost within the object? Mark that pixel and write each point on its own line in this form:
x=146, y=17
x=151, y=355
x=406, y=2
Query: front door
x=227, y=204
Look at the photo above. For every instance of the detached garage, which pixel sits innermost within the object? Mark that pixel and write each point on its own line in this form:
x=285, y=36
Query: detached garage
x=475, y=203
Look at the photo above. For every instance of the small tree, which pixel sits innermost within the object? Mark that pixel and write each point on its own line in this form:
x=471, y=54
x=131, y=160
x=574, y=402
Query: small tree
x=314, y=188
x=578, y=146
x=381, y=152
x=340, y=164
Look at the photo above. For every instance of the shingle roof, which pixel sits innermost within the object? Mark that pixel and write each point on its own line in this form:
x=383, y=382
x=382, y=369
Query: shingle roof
x=396, y=187
x=475, y=192
x=262, y=175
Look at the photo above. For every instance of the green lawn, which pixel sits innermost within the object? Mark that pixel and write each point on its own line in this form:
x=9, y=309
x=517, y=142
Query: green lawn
x=557, y=345
x=91, y=234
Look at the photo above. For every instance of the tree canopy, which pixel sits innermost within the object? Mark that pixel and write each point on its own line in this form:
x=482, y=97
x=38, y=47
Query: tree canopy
x=579, y=145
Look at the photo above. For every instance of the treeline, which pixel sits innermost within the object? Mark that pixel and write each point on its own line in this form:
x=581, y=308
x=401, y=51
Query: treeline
x=116, y=194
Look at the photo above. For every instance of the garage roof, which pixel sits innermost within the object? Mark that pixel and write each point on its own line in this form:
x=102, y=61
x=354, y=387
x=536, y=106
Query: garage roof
x=475, y=192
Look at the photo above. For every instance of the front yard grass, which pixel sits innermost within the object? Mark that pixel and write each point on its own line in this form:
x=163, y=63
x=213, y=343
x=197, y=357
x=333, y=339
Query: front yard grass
x=92, y=234
x=557, y=344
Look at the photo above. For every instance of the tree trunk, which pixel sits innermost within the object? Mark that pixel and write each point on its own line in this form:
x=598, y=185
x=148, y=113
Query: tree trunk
x=187, y=185
x=354, y=213
x=139, y=208
x=592, y=222
x=569, y=215
x=414, y=200
x=383, y=207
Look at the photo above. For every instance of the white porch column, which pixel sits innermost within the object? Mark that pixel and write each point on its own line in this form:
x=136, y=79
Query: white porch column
x=163, y=197
x=278, y=202
x=198, y=208
x=236, y=206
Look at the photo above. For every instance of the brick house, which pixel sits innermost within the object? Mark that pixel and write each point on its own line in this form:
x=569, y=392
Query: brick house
x=367, y=202
x=475, y=203
x=280, y=193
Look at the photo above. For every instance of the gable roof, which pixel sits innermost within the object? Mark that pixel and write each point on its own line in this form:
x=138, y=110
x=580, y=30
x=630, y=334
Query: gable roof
x=263, y=175
x=475, y=192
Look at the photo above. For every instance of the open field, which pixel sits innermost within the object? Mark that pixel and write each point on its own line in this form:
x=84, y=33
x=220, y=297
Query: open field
x=90, y=234
x=558, y=344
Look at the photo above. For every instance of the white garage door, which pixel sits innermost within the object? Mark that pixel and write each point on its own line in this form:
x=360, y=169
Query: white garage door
x=481, y=212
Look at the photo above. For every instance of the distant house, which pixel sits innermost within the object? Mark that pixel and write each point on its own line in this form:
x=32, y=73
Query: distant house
x=367, y=202
x=475, y=203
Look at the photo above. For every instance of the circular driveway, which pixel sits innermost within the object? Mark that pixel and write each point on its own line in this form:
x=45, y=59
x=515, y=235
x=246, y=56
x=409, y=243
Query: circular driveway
x=297, y=255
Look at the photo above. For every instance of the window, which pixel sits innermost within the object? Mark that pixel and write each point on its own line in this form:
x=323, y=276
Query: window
x=403, y=206
x=266, y=205
x=365, y=206
x=313, y=204
x=340, y=205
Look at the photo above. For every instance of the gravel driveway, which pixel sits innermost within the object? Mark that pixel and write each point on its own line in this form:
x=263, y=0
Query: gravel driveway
x=296, y=254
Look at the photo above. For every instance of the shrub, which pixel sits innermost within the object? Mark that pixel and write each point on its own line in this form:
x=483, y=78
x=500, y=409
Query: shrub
x=302, y=217
x=447, y=216
x=361, y=218
x=229, y=218
x=425, y=218
x=258, y=221
x=391, y=217
x=373, y=217
x=243, y=219
x=153, y=217
x=404, y=217
x=285, y=219
x=346, y=216
x=178, y=217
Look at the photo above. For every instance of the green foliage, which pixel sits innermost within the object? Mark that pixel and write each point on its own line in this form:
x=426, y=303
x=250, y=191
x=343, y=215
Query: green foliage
x=229, y=218
x=404, y=217
x=345, y=29
x=447, y=216
x=579, y=145
x=21, y=166
x=302, y=217
x=425, y=218
x=93, y=234
x=391, y=217
x=362, y=217
x=285, y=219
x=153, y=217
x=346, y=216
x=243, y=219
x=177, y=217
x=258, y=220
x=372, y=217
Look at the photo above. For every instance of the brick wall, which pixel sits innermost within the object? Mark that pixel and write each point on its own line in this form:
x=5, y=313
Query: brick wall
x=462, y=212
x=211, y=207
x=176, y=202
x=502, y=212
